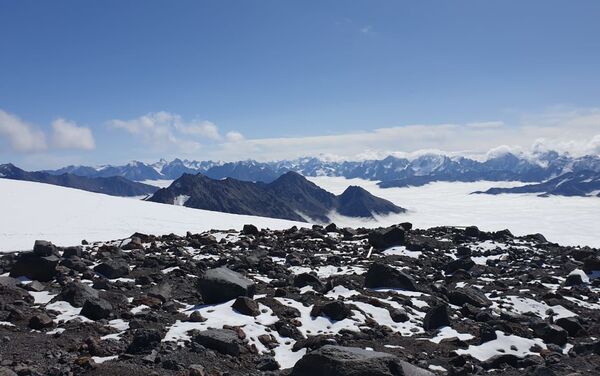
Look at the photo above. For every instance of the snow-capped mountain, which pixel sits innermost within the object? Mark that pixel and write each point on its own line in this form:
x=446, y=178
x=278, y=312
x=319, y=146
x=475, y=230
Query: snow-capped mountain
x=390, y=172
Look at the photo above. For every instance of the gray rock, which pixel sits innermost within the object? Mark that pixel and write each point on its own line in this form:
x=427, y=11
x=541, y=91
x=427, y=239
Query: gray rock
x=222, y=340
x=96, y=309
x=113, y=269
x=386, y=238
x=351, y=361
x=468, y=295
x=436, y=317
x=222, y=284
x=32, y=266
x=246, y=306
x=76, y=294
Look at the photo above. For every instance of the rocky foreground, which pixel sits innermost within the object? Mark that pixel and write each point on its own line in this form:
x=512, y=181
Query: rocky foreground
x=303, y=302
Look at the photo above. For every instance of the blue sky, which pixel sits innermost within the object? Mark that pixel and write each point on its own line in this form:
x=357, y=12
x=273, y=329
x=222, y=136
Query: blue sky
x=103, y=82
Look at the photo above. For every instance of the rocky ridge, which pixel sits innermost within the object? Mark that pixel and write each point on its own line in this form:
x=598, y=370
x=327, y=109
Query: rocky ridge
x=319, y=301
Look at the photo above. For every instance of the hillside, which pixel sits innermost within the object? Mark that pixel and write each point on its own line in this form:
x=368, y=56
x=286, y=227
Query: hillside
x=291, y=196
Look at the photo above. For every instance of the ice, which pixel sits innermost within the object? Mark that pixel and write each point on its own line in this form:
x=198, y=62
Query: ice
x=447, y=332
x=402, y=251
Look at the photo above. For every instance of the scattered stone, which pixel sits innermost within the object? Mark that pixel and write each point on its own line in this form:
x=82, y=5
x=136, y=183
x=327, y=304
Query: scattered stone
x=246, y=306
x=384, y=276
x=222, y=284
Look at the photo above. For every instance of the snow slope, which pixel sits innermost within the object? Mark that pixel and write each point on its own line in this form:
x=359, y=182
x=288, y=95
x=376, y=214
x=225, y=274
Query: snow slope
x=65, y=216
x=564, y=220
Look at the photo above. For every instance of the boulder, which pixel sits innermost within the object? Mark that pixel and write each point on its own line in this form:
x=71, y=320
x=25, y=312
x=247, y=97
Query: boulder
x=246, y=306
x=220, y=285
x=464, y=263
x=571, y=325
x=351, y=361
x=250, y=230
x=307, y=279
x=468, y=295
x=96, y=309
x=386, y=238
x=222, y=340
x=113, y=269
x=384, y=276
x=76, y=294
x=40, y=321
x=436, y=317
x=551, y=333
x=591, y=264
x=162, y=291
x=335, y=310
x=32, y=266
x=44, y=248
x=144, y=341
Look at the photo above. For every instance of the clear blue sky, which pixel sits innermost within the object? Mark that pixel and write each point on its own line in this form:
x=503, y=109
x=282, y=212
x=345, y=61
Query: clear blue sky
x=272, y=69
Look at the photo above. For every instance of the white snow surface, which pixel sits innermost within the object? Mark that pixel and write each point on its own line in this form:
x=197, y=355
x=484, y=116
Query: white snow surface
x=158, y=183
x=564, y=220
x=65, y=216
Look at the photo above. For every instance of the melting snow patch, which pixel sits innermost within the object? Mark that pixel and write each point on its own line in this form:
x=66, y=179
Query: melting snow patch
x=402, y=251
x=524, y=305
x=102, y=359
x=504, y=344
x=448, y=332
x=338, y=291
x=180, y=200
x=66, y=311
x=41, y=297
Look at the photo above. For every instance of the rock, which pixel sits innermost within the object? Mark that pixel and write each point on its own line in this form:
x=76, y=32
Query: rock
x=591, y=264
x=96, y=309
x=222, y=340
x=69, y=252
x=384, y=276
x=44, y=248
x=32, y=266
x=7, y=372
x=222, y=284
x=472, y=231
x=76, y=294
x=399, y=315
x=335, y=310
x=551, y=333
x=571, y=325
x=246, y=306
x=134, y=243
x=196, y=316
x=307, y=279
x=464, y=263
x=250, y=230
x=113, y=269
x=351, y=361
x=267, y=363
x=196, y=370
x=40, y=321
x=386, y=238
x=144, y=341
x=574, y=279
x=468, y=295
x=436, y=317
x=162, y=291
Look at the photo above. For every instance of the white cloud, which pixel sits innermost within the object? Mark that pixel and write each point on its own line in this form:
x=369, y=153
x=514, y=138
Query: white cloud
x=67, y=135
x=167, y=131
x=21, y=136
x=234, y=136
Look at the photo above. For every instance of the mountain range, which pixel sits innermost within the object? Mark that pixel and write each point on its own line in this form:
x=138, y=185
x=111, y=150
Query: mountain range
x=110, y=185
x=390, y=172
x=581, y=183
x=291, y=196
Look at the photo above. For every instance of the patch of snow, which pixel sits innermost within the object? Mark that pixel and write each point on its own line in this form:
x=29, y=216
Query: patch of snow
x=447, y=332
x=41, y=297
x=582, y=274
x=504, y=344
x=402, y=251
x=158, y=183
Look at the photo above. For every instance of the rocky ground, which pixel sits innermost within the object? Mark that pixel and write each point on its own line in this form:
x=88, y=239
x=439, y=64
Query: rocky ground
x=320, y=301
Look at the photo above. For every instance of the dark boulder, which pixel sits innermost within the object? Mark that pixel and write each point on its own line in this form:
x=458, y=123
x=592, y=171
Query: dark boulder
x=44, y=248
x=222, y=284
x=464, y=263
x=144, y=341
x=551, y=333
x=591, y=263
x=246, y=306
x=40, y=321
x=96, y=309
x=384, y=276
x=468, y=295
x=306, y=279
x=351, y=361
x=222, y=340
x=32, y=266
x=571, y=325
x=250, y=230
x=335, y=310
x=76, y=294
x=113, y=269
x=436, y=317
x=386, y=238
x=162, y=291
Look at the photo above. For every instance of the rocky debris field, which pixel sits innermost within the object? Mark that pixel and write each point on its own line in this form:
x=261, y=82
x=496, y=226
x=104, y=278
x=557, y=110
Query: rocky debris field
x=303, y=302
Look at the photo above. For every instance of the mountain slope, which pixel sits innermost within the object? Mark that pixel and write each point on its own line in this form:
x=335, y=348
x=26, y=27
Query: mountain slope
x=582, y=183
x=291, y=197
x=40, y=211
x=114, y=185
